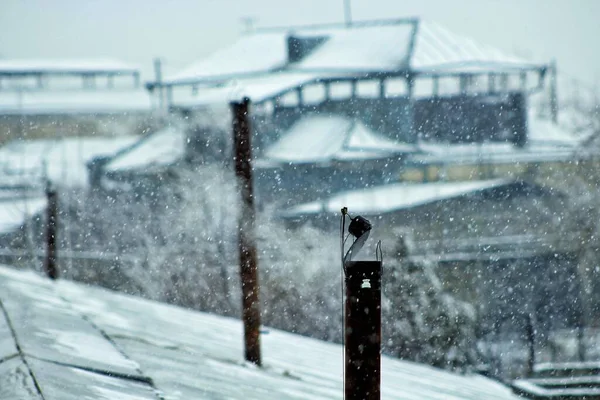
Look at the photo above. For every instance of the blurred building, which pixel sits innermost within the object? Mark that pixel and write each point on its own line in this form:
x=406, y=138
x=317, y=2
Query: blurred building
x=52, y=98
x=457, y=109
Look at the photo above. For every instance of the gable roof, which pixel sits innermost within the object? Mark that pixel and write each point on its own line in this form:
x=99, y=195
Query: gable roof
x=375, y=47
x=81, y=342
x=328, y=138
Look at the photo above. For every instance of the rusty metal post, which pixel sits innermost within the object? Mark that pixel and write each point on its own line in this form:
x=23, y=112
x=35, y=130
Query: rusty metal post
x=246, y=238
x=51, y=224
x=363, y=330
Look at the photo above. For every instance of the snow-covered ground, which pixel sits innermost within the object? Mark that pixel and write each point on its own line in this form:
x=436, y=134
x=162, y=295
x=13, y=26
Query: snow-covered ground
x=83, y=342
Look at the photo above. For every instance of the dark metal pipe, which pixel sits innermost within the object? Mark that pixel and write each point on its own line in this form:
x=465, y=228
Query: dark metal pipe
x=246, y=242
x=530, y=332
x=363, y=330
x=51, y=224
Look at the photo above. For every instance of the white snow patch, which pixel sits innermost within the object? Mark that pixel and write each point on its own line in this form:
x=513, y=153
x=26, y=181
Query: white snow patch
x=65, y=159
x=329, y=138
x=160, y=148
x=393, y=197
x=88, y=347
x=15, y=212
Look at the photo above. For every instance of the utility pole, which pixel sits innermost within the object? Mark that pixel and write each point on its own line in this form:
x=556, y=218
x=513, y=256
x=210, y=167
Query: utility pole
x=362, y=378
x=159, y=87
x=51, y=223
x=246, y=237
x=348, y=12
x=553, y=92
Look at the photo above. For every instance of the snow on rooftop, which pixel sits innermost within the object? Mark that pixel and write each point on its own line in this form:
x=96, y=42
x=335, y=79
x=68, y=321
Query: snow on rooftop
x=438, y=49
x=394, y=197
x=544, y=131
x=74, y=102
x=546, y=141
x=361, y=48
x=255, y=88
x=384, y=46
x=158, y=149
x=252, y=53
x=77, y=66
x=83, y=342
x=64, y=159
x=14, y=212
x=329, y=138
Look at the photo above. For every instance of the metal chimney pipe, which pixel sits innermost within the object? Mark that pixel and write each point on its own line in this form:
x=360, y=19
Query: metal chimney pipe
x=363, y=330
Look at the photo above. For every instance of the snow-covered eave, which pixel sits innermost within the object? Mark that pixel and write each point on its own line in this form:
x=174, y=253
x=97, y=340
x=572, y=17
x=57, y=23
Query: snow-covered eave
x=561, y=155
x=477, y=68
x=342, y=73
x=208, y=81
x=22, y=67
x=330, y=205
x=528, y=389
x=474, y=67
x=75, y=111
x=150, y=169
x=335, y=160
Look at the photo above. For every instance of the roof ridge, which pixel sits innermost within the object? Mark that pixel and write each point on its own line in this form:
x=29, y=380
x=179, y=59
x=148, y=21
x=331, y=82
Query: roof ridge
x=333, y=25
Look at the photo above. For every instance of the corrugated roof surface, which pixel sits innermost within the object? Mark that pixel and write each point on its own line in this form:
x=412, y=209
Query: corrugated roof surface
x=438, y=49
x=79, y=342
x=327, y=138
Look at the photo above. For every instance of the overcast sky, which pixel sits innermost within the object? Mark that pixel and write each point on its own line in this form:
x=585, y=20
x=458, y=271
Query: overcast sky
x=182, y=31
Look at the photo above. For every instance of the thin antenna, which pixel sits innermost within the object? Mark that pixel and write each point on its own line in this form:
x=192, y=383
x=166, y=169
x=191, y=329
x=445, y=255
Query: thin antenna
x=248, y=24
x=348, y=12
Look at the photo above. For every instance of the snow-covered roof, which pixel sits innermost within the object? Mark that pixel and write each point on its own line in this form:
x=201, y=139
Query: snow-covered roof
x=58, y=66
x=80, y=342
x=91, y=101
x=376, y=47
x=362, y=48
x=158, y=149
x=437, y=49
x=394, y=197
x=256, y=88
x=328, y=138
x=64, y=159
x=545, y=142
x=250, y=54
x=14, y=212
